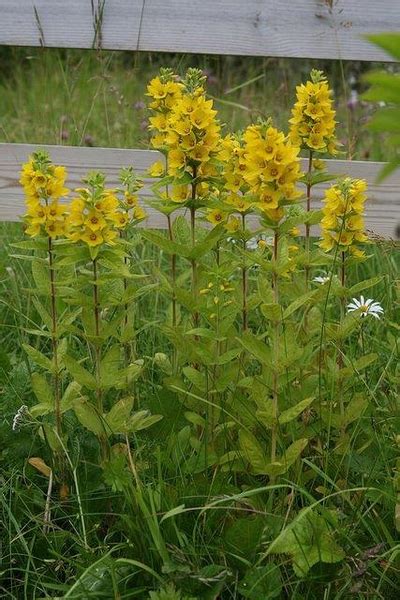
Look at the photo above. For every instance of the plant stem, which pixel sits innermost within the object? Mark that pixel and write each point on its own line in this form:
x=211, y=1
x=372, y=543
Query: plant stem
x=193, y=233
x=54, y=341
x=173, y=272
x=275, y=405
x=97, y=355
x=244, y=278
x=308, y=193
x=342, y=310
x=127, y=345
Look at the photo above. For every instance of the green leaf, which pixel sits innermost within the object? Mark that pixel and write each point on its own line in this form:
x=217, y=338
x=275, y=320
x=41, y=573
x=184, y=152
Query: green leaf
x=32, y=244
x=118, y=416
x=364, y=285
x=206, y=244
x=162, y=242
x=142, y=420
x=292, y=413
x=181, y=230
x=70, y=395
x=298, y=303
x=79, y=373
x=261, y=583
x=272, y=311
x=266, y=413
x=313, y=217
x=386, y=119
x=38, y=358
x=256, y=347
x=109, y=365
x=386, y=87
x=358, y=365
x=243, y=537
x=195, y=419
x=88, y=416
x=195, y=377
x=41, y=276
x=43, y=313
x=42, y=389
x=252, y=451
x=308, y=541
x=282, y=465
x=178, y=510
x=125, y=377
x=390, y=42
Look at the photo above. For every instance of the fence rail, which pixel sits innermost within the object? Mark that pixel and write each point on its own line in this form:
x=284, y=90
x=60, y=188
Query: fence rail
x=382, y=210
x=287, y=28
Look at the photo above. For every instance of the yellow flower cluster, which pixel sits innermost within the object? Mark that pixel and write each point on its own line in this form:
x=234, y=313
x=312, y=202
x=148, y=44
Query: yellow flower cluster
x=343, y=220
x=130, y=199
x=232, y=156
x=95, y=216
x=43, y=184
x=271, y=169
x=186, y=130
x=313, y=121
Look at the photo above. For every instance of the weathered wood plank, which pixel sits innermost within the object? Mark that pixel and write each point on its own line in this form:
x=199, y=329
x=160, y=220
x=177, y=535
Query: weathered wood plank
x=383, y=207
x=287, y=28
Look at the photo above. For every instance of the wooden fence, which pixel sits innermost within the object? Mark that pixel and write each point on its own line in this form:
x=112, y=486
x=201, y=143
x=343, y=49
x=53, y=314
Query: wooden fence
x=333, y=29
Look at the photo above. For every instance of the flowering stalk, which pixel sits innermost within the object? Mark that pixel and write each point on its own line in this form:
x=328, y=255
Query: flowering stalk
x=54, y=341
x=43, y=184
x=244, y=278
x=97, y=354
x=193, y=235
x=275, y=401
x=308, y=207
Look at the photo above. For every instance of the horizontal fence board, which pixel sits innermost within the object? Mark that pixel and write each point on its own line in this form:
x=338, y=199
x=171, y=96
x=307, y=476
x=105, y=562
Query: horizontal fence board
x=382, y=209
x=286, y=28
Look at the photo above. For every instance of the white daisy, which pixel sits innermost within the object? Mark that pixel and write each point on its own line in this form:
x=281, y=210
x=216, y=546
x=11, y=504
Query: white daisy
x=321, y=279
x=365, y=307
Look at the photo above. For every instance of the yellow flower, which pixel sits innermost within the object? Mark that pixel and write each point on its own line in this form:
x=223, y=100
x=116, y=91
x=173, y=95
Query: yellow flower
x=95, y=220
x=92, y=238
x=131, y=200
x=139, y=213
x=343, y=220
x=33, y=229
x=176, y=160
x=179, y=193
x=55, y=228
x=109, y=236
x=37, y=214
x=215, y=216
x=108, y=203
x=313, y=119
x=120, y=219
x=233, y=224
x=157, y=169
x=55, y=211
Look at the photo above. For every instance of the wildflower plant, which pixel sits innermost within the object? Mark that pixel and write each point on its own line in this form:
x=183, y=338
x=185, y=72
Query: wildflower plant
x=252, y=367
x=88, y=261
x=312, y=128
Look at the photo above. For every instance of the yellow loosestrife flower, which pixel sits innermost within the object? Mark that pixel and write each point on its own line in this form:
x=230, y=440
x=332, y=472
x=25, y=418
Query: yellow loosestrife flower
x=96, y=215
x=185, y=129
x=271, y=169
x=343, y=220
x=313, y=117
x=43, y=184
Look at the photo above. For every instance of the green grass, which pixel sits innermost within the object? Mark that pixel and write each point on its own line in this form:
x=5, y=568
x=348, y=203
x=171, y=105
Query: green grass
x=83, y=98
